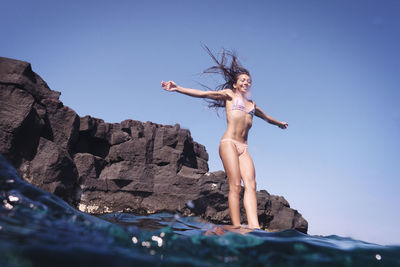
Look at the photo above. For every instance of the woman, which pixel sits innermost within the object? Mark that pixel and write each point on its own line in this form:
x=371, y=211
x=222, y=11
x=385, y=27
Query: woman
x=234, y=95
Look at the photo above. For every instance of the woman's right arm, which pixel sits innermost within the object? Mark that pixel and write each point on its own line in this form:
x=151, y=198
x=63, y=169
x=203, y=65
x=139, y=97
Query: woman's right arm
x=216, y=95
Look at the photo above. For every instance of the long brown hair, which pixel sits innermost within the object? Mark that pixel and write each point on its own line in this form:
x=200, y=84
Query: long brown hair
x=229, y=67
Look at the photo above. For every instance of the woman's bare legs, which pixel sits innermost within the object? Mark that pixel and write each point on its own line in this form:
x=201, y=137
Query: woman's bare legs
x=247, y=172
x=230, y=160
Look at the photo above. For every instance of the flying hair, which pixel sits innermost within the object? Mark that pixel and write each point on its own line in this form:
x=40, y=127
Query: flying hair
x=229, y=67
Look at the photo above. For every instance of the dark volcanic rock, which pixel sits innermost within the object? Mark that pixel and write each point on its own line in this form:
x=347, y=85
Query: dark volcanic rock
x=20, y=75
x=105, y=167
x=52, y=170
x=63, y=123
x=20, y=125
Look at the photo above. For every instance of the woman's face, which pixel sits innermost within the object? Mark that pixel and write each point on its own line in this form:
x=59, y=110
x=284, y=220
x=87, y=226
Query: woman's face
x=243, y=83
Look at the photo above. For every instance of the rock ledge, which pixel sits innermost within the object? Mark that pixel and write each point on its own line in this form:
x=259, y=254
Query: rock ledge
x=99, y=167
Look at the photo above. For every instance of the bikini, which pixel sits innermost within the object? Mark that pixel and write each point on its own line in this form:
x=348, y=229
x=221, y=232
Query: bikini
x=239, y=105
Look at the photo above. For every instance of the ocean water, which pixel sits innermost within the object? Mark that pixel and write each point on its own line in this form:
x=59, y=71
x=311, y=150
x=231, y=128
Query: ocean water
x=39, y=229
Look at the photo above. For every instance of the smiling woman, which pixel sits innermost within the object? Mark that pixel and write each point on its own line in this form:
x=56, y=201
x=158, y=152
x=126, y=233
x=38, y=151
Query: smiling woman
x=234, y=95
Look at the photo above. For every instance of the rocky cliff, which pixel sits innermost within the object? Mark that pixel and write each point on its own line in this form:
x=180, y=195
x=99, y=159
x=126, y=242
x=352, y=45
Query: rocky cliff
x=100, y=167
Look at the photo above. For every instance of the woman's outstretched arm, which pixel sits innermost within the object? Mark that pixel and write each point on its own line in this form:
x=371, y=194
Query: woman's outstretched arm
x=217, y=95
x=261, y=114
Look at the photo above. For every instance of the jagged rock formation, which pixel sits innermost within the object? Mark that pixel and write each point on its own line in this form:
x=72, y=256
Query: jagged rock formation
x=105, y=167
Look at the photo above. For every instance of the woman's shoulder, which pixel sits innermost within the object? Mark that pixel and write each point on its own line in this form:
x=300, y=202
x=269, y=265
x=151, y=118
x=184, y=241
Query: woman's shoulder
x=228, y=92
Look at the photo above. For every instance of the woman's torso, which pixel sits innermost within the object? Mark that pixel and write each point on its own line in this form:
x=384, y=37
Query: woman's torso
x=239, y=116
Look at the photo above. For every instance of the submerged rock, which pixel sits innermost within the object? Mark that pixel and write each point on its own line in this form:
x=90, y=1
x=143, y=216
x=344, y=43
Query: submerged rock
x=99, y=167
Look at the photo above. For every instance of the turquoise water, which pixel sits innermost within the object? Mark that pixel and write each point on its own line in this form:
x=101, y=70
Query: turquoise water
x=39, y=229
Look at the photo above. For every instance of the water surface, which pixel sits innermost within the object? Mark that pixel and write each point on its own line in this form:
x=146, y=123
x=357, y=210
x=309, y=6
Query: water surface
x=39, y=229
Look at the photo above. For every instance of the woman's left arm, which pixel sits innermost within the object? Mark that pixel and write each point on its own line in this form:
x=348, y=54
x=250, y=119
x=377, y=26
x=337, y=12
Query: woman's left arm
x=261, y=114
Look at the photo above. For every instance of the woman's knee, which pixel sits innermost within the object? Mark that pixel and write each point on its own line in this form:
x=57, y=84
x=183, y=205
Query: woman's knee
x=235, y=188
x=250, y=185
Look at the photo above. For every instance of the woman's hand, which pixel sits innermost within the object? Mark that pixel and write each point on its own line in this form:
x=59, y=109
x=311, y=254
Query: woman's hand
x=170, y=86
x=283, y=125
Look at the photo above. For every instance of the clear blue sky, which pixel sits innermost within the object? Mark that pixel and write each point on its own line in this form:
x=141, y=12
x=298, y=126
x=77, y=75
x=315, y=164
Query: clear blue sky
x=331, y=69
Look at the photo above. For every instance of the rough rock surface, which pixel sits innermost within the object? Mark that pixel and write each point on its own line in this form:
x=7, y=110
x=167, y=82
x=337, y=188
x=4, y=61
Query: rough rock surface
x=107, y=167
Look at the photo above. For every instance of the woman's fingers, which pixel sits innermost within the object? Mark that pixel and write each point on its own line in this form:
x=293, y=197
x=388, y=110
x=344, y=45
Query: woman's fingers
x=164, y=84
x=169, y=86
